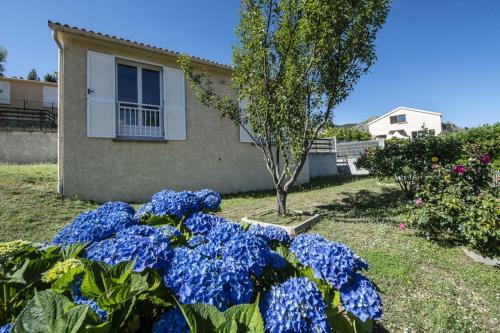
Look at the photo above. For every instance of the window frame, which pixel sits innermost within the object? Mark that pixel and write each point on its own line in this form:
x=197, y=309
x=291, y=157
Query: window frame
x=161, y=107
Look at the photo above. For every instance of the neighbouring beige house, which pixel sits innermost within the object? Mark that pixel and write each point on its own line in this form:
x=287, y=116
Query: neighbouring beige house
x=21, y=93
x=129, y=124
x=405, y=123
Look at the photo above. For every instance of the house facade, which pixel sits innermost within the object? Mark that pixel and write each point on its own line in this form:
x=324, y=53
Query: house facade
x=129, y=124
x=405, y=123
x=21, y=93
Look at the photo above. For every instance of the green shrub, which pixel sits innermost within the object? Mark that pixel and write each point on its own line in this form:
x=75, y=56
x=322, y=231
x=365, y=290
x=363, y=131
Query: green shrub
x=459, y=203
x=346, y=133
x=408, y=161
x=481, y=139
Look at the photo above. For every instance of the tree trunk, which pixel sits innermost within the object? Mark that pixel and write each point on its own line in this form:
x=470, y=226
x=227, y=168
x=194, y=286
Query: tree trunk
x=281, y=198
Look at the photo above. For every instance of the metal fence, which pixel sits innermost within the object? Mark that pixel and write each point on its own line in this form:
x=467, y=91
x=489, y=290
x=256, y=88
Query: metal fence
x=28, y=114
x=356, y=148
x=325, y=145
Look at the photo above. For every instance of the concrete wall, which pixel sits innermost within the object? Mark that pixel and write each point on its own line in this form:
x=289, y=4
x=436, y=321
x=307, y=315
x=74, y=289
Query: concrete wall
x=105, y=169
x=18, y=146
x=322, y=164
x=345, y=166
x=414, y=122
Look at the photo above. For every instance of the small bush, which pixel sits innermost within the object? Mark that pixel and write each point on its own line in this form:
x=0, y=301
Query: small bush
x=408, y=161
x=483, y=139
x=459, y=203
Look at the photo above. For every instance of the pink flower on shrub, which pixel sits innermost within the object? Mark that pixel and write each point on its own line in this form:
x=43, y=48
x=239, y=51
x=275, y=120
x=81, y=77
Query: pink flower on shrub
x=434, y=166
x=485, y=159
x=419, y=202
x=459, y=169
x=402, y=226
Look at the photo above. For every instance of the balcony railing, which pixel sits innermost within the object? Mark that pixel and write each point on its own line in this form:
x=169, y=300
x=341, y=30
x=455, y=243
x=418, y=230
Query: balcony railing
x=139, y=120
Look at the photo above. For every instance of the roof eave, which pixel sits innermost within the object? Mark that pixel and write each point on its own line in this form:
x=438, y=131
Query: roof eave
x=95, y=35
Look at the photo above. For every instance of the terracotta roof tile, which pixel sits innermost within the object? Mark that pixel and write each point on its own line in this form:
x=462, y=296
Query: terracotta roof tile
x=58, y=26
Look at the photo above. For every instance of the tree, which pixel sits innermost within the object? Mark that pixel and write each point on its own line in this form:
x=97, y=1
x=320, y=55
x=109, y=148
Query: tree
x=50, y=77
x=3, y=58
x=32, y=75
x=346, y=133
x=294, y=62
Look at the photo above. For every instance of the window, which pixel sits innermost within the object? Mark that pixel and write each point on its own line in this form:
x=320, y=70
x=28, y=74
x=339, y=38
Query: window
x=139, y=100
x=398, y=119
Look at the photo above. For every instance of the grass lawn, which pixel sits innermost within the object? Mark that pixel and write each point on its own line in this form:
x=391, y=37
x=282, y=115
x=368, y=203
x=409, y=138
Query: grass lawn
x=425, y=287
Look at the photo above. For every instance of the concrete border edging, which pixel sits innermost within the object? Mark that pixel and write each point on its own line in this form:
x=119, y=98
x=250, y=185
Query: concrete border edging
x=291, y=230
x=481, y=259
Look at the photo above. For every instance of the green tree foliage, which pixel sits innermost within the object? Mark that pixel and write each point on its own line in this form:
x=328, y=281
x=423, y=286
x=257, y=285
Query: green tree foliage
x=294, y=62
x=408, y=161
x=50, y=77
x=32, y=75
x=3, y=58
x=346, y=133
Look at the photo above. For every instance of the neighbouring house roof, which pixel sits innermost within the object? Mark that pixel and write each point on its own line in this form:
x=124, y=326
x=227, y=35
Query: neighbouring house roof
x=403, y=108
x=56, y=26
x=15, y=79
x=400, y=132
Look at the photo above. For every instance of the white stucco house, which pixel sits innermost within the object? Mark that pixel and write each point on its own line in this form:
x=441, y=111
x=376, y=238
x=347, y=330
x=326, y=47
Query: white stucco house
x=404, y=123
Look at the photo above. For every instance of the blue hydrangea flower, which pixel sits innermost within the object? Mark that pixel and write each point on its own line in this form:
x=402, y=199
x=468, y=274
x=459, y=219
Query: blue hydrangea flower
x=171, y=321
x=79, y=299
x=169, y=231
x=97, y=224
x=196, y=241
x=276, y=261
x=270, y=233
x=360, y=297
x=251, y=252
x=144, y=231
x=210, y=200
x=208, y=250
x=6, y=328
x=201, y=223
x=147, y=208
x=223, y=232
x=197, y=279
x=148, y=246
x=175, y=204
x=333, y=262
x=294, y=306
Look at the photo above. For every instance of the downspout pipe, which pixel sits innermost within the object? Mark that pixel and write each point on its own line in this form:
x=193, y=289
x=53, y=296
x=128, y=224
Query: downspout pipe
x=60, y=111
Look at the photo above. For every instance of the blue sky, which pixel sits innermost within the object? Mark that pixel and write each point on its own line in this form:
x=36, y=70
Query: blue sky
x=438, y=55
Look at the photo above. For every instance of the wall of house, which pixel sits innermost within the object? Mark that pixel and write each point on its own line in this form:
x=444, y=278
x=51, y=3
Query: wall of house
x=27, y=93
x=105, y=169
x=414, y=122
x=27, y=146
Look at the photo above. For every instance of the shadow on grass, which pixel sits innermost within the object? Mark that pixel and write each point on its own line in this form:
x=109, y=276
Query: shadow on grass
x=314, y=184
x=367, y=206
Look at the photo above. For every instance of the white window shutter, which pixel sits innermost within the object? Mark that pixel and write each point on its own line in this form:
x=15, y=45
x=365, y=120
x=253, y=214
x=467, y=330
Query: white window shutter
x=175, y=105
x=244, y=136
x=49, y=97
x=4, y=92
x=101, y=79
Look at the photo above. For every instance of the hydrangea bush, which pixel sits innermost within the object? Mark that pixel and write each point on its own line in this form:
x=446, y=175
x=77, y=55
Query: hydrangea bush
x=173, y=266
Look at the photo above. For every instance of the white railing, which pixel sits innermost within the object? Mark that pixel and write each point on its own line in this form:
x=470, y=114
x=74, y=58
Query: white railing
x=139, y=120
